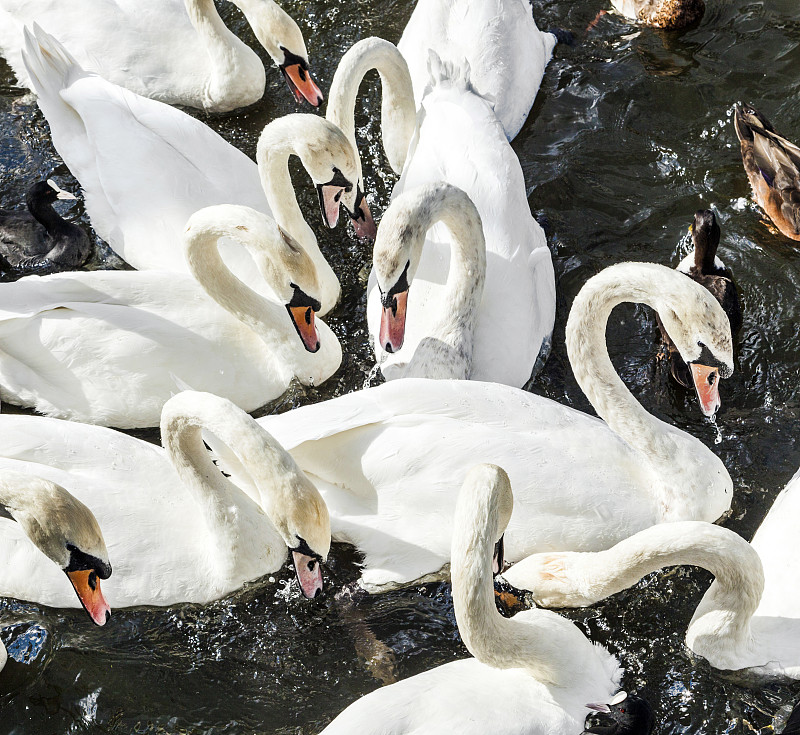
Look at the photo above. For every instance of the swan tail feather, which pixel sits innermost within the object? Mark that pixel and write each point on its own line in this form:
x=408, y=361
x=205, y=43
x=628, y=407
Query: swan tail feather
x=450, y=73
x=50, y=66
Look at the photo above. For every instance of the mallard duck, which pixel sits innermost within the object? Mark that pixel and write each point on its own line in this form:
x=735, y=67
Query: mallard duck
x=667, y=14
x=703, y=265
x=39, y=240
x=772, y=164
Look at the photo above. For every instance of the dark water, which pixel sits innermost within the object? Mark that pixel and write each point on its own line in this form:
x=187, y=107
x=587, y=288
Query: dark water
x=631, y=134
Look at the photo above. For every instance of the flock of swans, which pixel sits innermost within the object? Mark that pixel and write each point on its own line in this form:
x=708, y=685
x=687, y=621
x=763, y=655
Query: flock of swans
x=448, y=469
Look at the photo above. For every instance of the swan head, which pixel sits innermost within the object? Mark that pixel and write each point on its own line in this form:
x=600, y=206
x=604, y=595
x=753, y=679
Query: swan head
x=701, y=331
x=629, y=713
x=398, y=247
x=278, y=33
x=65, y=530
x=285, y=265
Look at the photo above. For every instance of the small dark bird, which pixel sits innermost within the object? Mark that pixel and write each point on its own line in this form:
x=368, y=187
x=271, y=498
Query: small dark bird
x=40, y=241
x=772, y=164
x=793, y=723
x=703, y=266
x=629, y=715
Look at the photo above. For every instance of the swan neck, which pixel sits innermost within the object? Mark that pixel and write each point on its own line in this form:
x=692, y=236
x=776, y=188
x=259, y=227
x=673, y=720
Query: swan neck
x=206, y=265
x=221, y=45
x=461, y=300
x=398, y=112
x=591, y=364
x=492, y=639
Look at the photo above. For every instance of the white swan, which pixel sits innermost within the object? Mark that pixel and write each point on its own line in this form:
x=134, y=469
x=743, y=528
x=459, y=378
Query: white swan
x=532, y=674
x=398, y=110
x=110, y=347
x=389, y=460
x=459, y=141
x=176, y=528
x=53, y=532
x=176, y=51
x=750, y=616
x=499, y=40
x=145, y=167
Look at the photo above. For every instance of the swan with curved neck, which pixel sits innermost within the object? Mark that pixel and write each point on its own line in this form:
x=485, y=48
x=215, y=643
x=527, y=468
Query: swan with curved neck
x=177, y=528
x=538, y=660
x=519, y=271
x=193, y=59
x=380, y=455
x=115, y=142
x=64, y=530
x=442, y=347
x=159, y=332
x=398, y=110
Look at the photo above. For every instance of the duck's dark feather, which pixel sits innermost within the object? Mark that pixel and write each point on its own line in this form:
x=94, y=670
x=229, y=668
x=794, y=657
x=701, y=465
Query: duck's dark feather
x=772, y=164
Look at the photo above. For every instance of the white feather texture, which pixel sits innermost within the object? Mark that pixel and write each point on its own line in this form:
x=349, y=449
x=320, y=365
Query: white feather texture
x=175, y=51
x=459, y=141
x=389, y=460
x=110, y=347
x=146, y=167
x=532, y=674
x=499, y=39
x=176, y=529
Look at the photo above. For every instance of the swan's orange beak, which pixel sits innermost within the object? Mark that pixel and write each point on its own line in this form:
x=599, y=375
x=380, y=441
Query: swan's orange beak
x=87, y=586
x=309, y=573
x=302, y=85
x=706, y=383
x=330, y=196
x=363, y=222
x=393, y=322
x=303, y=320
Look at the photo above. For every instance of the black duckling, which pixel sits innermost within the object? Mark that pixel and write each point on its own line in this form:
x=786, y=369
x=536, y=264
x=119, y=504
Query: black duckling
x=703, y=266
x=666, y=14
x=40, y=241
x=772, y=164
x=630, y=715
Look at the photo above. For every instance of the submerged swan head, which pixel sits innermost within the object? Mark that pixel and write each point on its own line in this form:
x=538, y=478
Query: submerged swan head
x=281, y=37
x=398, y=247
x=65, y=530
x=285, y=265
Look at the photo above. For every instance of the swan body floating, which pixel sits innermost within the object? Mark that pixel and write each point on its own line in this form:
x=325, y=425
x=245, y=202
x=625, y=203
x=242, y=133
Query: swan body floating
x=40, y=240
x=535, y=672
x=177, y=529
x=499, y=40
x=117, y=144
x=703, y=266
x=772, y=165
x=176, y=51
x=518, y=265
x=110, y=347
x=53, y=531
x=389, y=460
x=667, y=14
x=398, y=109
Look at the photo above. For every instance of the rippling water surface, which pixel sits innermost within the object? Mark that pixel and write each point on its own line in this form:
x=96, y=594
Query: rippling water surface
x=631, y=134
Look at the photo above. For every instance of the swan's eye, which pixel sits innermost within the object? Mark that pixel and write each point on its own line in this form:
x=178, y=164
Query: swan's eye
x=92, y=580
